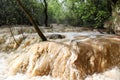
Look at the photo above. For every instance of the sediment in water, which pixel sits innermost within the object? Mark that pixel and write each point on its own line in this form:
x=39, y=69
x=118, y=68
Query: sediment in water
x=68, y=61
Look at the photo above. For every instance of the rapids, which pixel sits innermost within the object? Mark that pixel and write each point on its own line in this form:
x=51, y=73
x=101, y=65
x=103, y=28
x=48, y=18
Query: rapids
x=86, y=55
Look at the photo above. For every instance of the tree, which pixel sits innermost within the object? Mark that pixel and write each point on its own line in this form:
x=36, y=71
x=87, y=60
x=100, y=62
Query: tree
x=56, y=12
x=32, y=20
x=46, y=13
x=86, y=12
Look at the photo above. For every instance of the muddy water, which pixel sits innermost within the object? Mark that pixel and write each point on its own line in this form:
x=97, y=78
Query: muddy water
x=80, y=56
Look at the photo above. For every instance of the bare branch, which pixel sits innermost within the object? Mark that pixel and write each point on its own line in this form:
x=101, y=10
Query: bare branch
x=13, y=36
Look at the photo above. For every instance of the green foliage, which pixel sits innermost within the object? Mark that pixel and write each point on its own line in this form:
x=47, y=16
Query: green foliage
x=10, y=12
x=100, y=18
x=87, y=13
x=56, y=10
x=90, y=13
x=74, y=12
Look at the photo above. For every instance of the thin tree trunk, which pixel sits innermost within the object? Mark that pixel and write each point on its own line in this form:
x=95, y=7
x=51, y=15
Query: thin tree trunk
x=32, y=21
x=13, y=36
x=46, y=15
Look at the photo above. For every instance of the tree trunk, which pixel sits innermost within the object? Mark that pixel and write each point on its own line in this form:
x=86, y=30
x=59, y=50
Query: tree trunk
x=45, y=11
x=32, y=21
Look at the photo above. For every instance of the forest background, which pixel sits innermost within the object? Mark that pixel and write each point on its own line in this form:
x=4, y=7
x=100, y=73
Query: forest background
x=91, y=13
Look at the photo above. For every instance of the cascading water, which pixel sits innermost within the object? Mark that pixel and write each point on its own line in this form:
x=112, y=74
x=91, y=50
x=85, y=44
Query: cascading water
x=80, y=56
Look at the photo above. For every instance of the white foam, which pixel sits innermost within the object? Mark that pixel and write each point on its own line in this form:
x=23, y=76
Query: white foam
x=71, y=35
x=25, y=77
x=113, y=74
x=3, y=66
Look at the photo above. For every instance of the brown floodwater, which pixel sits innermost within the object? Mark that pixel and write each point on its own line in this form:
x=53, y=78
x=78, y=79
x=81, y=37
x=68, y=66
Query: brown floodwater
x=85, y=55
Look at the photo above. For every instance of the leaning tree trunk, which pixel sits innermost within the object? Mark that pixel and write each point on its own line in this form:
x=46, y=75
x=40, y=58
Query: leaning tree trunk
x=32, y=21
x=45, y=11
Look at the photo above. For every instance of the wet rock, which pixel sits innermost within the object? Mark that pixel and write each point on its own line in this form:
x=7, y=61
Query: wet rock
x=56, y=36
